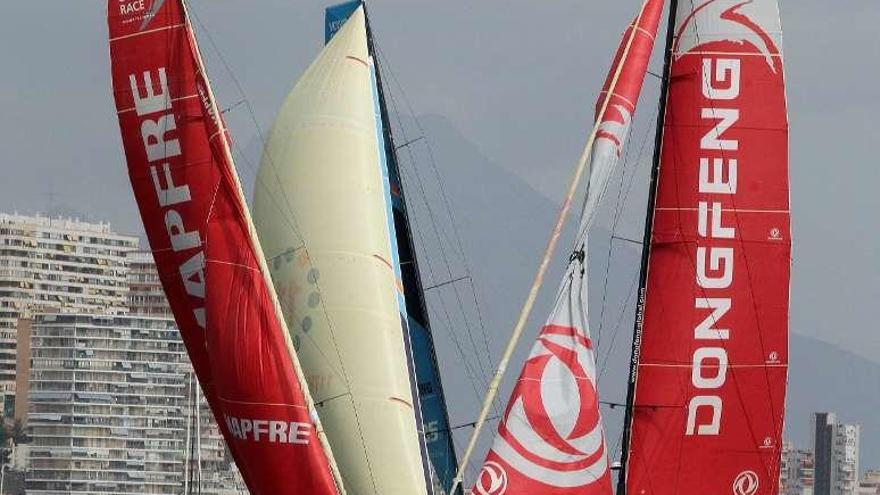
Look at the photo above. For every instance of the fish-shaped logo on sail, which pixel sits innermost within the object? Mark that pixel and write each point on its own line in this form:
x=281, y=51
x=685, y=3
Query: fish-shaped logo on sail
x=728, y=20
x=154, y=9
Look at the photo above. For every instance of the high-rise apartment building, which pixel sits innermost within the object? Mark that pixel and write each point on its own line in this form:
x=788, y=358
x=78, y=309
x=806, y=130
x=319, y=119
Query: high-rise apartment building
x=114, y=408
x=836, y=448
x=108, y=405
x=146, y=296
x=65, y=265
x=109, y=398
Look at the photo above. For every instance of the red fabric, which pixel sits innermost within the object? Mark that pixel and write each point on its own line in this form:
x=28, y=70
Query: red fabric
x=742, y=456
x=195, y=221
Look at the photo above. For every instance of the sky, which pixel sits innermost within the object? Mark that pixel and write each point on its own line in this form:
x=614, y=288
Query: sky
x=517, y=78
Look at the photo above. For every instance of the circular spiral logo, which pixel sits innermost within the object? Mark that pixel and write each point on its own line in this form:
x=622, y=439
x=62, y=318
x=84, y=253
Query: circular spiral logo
x=492, y=480
x=552, y=431
x=746, y=483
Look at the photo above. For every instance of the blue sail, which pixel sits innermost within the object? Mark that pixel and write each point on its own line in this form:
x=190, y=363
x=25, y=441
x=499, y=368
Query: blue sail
x=431, y=413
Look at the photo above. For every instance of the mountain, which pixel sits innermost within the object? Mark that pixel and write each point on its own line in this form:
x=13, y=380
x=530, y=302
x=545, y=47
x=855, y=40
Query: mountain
x=503, y=225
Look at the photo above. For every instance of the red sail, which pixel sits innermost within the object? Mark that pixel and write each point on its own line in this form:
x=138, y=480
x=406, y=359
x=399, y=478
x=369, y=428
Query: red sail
x=551, y=440
x=200, y=233
x=710, y=390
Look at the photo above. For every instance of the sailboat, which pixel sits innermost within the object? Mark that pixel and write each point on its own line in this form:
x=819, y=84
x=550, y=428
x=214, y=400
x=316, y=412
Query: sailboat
x=208, y=255
x=346, y=269
x=308, y=330
x=331, y=383
x=706, y=395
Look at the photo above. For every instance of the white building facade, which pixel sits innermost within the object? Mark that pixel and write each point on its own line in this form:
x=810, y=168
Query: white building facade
x=108, y=404
x=56, y=264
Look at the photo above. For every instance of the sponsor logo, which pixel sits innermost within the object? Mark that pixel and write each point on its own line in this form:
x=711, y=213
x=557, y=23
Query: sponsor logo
x=736, y=19
x=154, y=9
x=492, y=480
x=138, y=10
x=153, y=105
x=746, y=483
x=552, y=431
x=269, y=431
x=715, y=252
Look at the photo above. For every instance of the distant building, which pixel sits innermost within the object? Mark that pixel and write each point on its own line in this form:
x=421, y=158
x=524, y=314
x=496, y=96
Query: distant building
x=108, y=404
x=113, y=409
x=836, y=448
x=870, y=484
x=59, y=264
x=796, y=471
x=146, y=297
x=92, y=361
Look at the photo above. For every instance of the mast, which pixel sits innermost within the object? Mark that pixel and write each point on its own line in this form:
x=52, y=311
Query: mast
x=413, y=288
x=646, y=249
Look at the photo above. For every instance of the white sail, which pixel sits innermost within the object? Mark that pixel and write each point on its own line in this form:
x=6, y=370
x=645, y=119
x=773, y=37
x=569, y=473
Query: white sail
x=321, y=213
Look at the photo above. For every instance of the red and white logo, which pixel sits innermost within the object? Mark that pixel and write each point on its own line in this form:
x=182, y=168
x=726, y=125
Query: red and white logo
x=492, y=480
x=746, y=483
x=614, y=129
x=154, y=9
x=727, y=19
x=552, y=431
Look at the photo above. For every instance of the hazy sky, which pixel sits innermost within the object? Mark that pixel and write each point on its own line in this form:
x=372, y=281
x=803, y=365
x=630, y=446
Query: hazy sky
x=518, y=78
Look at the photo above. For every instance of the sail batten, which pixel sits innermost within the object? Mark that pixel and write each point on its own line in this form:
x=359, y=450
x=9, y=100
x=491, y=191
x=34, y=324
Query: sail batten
x=707, y=414
x=208, y=258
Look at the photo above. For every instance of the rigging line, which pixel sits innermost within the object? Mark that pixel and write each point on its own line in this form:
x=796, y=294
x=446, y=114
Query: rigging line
x=272, y=167
x=469, y=372
x=618, y=215
x=448, y=282
x=615, y=332
x=483, y=375
x=580, y=169
x=411, y=141
x=434, y=224
x=433, y=162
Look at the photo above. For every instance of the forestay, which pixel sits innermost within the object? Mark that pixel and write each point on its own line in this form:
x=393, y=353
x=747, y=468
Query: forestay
x=208, y=257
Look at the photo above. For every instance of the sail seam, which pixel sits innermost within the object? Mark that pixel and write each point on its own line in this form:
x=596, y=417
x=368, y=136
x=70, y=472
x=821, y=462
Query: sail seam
x=738, y=54
x=151, y=31
x=173, y=100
